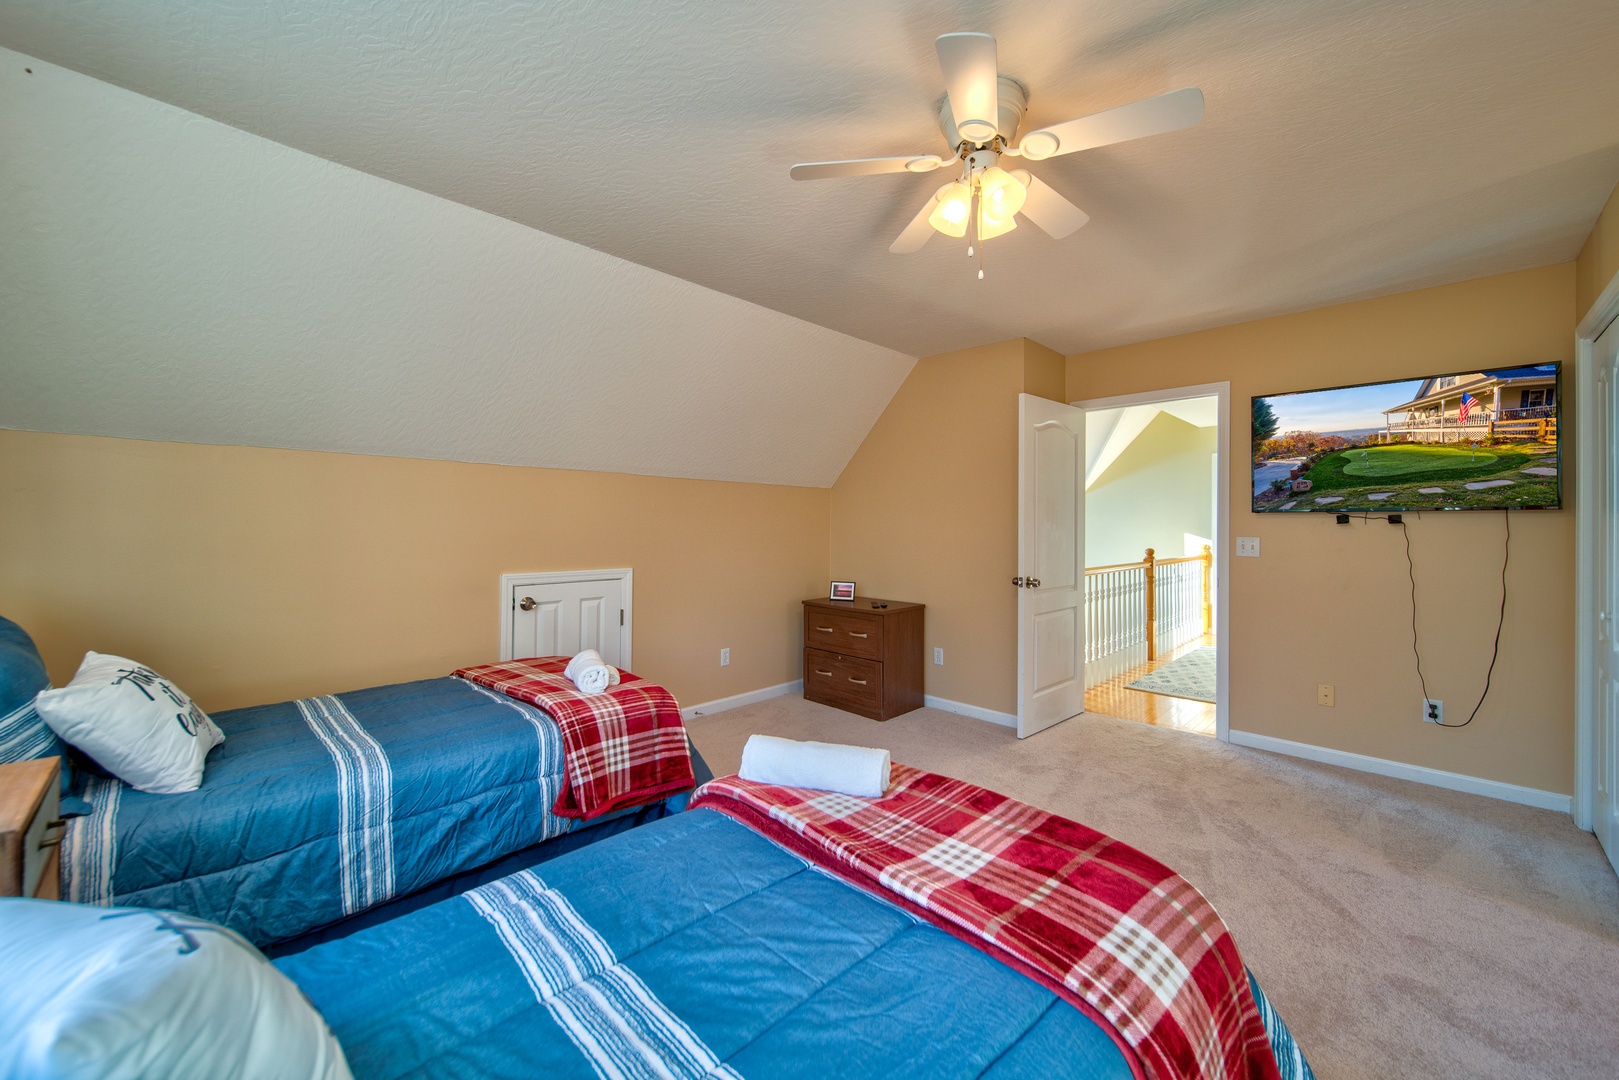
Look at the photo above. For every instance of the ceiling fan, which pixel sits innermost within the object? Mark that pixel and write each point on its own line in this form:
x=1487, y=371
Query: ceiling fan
x=979, y=117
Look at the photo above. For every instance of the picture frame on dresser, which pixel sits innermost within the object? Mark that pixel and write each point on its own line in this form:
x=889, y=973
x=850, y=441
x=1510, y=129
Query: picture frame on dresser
x=842, y=590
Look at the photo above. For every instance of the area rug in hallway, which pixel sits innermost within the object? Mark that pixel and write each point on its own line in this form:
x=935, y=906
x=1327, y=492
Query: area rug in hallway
x=1190, y=676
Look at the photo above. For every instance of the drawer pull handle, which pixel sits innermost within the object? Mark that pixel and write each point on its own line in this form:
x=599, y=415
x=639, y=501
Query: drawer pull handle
x=824, y=629
x=60, y=827
x=818, y=671
x=852, y=679
x=853, y=634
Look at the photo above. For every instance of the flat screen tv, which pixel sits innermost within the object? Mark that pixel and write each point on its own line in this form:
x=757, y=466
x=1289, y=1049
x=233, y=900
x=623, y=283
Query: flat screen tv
x=1472, y=440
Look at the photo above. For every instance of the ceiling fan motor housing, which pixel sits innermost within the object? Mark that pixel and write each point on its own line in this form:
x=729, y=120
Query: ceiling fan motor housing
x=1013, y=99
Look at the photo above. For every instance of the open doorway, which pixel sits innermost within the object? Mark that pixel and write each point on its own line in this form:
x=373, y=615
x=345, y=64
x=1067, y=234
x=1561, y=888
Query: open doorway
x=1154, y=494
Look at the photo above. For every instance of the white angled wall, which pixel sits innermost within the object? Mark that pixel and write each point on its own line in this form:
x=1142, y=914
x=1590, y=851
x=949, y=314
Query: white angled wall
x=166, y=276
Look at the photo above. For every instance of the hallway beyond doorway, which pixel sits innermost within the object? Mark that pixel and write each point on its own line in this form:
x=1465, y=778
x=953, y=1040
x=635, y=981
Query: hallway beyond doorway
x=1113, y=697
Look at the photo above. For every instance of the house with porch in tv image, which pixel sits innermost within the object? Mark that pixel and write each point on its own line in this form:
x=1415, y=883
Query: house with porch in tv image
x=1476, y=440
x=1510, y=403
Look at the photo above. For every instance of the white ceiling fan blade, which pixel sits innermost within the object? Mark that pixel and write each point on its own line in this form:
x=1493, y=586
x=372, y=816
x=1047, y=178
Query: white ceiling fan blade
x=972, y=82
x=1047, y=209
x=1152, y=116
x=828, y=170
x=917, y=232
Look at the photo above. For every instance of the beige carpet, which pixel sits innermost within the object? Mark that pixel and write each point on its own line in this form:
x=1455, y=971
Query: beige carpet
x=1401, y=930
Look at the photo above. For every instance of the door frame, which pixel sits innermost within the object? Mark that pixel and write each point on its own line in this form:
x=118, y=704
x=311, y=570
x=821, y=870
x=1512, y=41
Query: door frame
x=1222, y=527
x=508, y=582
x=1589, y=443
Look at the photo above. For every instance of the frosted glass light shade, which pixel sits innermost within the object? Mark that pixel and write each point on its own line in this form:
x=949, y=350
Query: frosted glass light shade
x=953, y=209
x=1001, y=193
x=989, y=228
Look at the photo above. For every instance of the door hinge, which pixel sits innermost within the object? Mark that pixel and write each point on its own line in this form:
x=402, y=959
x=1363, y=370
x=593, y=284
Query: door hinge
x=621, y=616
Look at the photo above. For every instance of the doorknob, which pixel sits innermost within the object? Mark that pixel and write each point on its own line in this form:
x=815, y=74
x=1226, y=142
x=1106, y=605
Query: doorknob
x=527, y=603
x=1034, y=583
x=1018, y=582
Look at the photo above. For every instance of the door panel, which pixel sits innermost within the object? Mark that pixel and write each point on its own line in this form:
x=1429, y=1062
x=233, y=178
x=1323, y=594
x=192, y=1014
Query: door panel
x=539, y=631
x=1051, y=560
x=1058, y=483
x=1054, y=660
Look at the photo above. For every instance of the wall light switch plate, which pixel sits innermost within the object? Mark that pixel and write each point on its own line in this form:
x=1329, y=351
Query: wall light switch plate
x=1326, y=695
x=938, y=656
x=725, y=658
x=1248, y=547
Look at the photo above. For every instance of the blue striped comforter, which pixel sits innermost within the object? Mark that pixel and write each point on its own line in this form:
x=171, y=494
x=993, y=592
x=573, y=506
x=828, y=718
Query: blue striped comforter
x=315, y=810
x=689, y=947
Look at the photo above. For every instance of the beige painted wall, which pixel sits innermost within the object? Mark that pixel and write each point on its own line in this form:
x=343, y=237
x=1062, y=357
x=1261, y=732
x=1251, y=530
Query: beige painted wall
x=1599, y=258
x=1045, y=371
x=1329, y=603
x=252, y=575
x=926, y=510
x=1160, y=488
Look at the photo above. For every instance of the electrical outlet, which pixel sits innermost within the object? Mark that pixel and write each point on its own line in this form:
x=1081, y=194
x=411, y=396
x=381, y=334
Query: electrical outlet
x=725, y=658
x=1433, y=711
x=1248, y=547
x=1326, y=695
x=938, y=656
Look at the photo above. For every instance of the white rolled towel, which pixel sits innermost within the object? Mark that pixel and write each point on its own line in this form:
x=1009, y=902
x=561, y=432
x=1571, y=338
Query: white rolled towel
x=852, y=770
x=590, y=673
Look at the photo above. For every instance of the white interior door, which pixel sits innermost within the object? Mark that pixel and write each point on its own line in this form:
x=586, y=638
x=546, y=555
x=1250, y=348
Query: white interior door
x=1051, y=563
x=562, y=614
x=1605, y=790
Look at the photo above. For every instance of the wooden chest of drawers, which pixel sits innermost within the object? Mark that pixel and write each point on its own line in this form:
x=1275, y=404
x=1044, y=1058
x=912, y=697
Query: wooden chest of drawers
x=29, y=828
x=863, y=655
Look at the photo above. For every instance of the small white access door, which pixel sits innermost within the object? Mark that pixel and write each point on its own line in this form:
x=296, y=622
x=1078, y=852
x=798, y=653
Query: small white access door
x=559, y=614
x=1051, y=563
x=1605, y=790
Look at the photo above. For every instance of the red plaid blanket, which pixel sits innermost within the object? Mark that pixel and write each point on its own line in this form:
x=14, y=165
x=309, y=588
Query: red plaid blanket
x=1095, y=919
x=623, y=748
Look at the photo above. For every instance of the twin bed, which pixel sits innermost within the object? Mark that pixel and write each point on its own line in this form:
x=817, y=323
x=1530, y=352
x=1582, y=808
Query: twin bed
x=690, y=947
x=320, y=815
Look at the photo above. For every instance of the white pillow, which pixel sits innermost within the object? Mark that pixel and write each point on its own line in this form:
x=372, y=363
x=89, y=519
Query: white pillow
x=136, y=724
x=130, y=992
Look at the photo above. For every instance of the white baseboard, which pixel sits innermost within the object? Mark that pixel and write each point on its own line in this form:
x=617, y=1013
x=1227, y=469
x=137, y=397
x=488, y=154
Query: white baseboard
x=974, y=711
x=736, y=701
x=1475, y=785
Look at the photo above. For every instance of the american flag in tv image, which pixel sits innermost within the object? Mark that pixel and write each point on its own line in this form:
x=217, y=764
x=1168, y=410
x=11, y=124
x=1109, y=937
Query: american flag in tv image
x=1471, y=440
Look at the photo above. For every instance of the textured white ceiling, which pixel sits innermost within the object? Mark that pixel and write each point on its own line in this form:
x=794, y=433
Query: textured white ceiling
x=1351, y=147
x=165, y=276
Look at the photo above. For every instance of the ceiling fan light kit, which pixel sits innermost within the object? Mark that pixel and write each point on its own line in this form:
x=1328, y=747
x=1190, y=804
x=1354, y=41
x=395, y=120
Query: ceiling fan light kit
x=979, y=117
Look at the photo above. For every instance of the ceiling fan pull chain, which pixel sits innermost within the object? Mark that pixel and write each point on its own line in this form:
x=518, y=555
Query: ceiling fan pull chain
x=978, y=204
x=972, y=215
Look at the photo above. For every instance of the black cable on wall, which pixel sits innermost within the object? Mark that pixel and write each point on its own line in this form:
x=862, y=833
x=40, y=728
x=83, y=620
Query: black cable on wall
x=1506, y=557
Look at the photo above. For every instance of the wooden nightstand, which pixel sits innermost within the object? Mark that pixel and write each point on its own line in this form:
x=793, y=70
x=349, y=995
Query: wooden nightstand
x=863, y=655
x=30, y=828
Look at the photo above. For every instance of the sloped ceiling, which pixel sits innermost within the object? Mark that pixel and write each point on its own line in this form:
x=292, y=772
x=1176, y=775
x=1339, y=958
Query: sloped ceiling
x=1351, y=147
x=1109, y=432
x=166, y=276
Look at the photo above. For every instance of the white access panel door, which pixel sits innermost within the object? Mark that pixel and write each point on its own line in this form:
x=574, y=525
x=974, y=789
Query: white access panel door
x=1051, y=563
x=560, y=614
x=1605, y=790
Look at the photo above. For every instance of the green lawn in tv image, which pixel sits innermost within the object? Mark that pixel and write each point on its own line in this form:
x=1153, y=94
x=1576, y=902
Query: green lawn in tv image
x=1420, y=476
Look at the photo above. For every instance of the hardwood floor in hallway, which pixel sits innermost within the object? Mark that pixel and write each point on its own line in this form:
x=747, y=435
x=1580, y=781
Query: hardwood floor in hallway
x=1115, y=698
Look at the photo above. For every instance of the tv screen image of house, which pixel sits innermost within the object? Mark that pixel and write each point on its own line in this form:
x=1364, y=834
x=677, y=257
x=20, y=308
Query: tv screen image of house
x=1472, y=440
